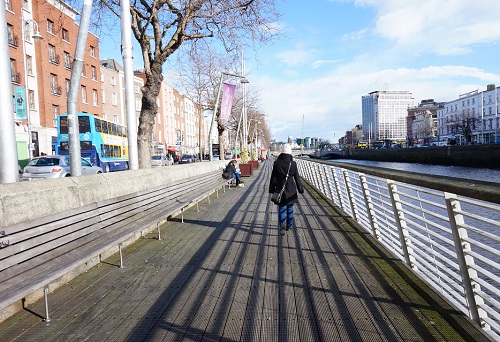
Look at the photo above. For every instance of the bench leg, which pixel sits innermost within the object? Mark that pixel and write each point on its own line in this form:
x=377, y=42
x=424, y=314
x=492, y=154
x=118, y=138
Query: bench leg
x=208, y=198
x=217, y=191
x=121, y=255
x=159, y=233
x=182, y=215
x=197, y=206
x=46, y=295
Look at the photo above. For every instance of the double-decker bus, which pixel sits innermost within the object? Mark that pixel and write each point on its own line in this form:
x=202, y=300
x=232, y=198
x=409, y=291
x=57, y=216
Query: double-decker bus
x=103, y=143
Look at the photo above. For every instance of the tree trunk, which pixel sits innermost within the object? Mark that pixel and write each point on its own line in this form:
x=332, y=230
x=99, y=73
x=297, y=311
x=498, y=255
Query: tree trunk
x=149, y=110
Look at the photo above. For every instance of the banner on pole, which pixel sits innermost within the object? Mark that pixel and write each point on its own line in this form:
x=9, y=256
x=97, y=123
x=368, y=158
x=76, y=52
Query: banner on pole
x=20, y=104
x=227, y=100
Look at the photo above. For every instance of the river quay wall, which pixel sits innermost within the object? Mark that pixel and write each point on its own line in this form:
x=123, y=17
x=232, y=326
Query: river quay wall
x=483, y=156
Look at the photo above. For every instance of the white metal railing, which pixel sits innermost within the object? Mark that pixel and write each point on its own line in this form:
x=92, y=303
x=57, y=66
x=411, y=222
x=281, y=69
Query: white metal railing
x=450, y=241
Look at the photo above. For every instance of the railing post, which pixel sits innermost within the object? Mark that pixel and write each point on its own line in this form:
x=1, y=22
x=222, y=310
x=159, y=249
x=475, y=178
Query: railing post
x=401, y=225
x=337, y=187
x=465, y=260
x=329, y=184
x=369, y=206
x=349, y=191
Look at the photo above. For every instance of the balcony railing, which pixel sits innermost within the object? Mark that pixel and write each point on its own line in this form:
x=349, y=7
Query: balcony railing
x=13, y=40
x=16, y=77
x=55, y=89
x=55, y=59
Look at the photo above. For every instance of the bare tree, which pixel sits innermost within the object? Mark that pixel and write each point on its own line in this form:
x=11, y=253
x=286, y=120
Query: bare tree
x=162, y=26
x=462, y=124
x=197, y=72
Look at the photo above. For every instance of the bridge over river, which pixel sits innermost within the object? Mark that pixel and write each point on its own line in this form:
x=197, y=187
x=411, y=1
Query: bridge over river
x=226, y=274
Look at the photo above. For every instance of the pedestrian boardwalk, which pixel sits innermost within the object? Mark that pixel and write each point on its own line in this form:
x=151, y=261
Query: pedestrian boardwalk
x=226, y=274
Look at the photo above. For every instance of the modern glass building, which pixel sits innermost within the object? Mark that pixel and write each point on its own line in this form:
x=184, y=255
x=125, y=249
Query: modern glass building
x=384, y=114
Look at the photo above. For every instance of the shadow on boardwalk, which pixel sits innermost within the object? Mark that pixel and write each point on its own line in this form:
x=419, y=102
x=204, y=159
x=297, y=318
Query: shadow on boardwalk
x=225, y=274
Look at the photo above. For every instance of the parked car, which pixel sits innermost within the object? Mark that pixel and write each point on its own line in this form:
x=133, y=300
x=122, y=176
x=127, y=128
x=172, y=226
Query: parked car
x=55, y=166
x=215, y=157
x=187, y=159
x=159, y=160
x=228, y=155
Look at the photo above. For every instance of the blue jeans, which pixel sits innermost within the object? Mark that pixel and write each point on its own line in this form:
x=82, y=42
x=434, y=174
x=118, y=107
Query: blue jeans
x=285, y=215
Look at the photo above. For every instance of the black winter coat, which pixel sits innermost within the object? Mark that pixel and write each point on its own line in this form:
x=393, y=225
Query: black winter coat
x=278, y=176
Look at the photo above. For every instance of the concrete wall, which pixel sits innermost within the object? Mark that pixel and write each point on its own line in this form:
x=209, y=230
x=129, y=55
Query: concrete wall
x=484, y=156
x=26, y=201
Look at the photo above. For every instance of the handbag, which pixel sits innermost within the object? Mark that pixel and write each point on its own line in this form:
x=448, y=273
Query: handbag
x=276, y=196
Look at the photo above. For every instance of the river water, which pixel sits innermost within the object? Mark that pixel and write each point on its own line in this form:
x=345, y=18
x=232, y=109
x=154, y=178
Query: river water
x=470, y=173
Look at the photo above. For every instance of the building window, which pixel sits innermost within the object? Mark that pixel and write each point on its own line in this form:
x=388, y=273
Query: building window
x=92, y=51
x=83, y=70
x=16, y=77
x=8, y=5
x=103, y=96
x=50, y=26
x=66, y=83
x=31, y=99
x=65, y=35
x=29, y=65
x=113, y=80
x=94, y=97
x=67, y=60
x=115, y=118
x=137, y=89
x=54, y=86
x=55, y=114
x=137, y=105
x=94, y=76
x=13, y=40
x=53, y=57
x=114, y=99
x=84, y=94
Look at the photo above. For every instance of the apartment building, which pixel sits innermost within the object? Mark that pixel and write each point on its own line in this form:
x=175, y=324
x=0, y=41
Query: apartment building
x=472, y=118
x=42, y=40
x=422, y=122
x=384, y=114
x=113, y=92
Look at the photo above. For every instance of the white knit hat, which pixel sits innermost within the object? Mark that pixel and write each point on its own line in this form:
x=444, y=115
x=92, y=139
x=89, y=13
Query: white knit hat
x=287, y=148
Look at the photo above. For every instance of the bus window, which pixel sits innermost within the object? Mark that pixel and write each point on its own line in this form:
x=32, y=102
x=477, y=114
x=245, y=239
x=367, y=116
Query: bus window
x=125, y=132
x=105, y=151
x=64, y=146
x=97, y=124
x=85, y=146
x=63, y=126
x=117, y=151
x=120, y=131
x=84, y=124
x=104, y=127
x=113, y=129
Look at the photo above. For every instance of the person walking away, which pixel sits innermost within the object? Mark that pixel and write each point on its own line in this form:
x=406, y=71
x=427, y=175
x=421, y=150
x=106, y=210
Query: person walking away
x=282, y=166
x=232, y=167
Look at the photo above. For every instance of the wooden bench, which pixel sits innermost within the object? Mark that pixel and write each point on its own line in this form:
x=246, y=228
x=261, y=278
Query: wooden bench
x=41, y=252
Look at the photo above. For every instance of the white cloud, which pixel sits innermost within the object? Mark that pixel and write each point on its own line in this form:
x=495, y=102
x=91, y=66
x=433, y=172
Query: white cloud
x=445, y=27
x=332, y=104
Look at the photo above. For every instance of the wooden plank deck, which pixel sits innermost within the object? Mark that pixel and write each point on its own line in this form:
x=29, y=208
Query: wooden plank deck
x=226, y=274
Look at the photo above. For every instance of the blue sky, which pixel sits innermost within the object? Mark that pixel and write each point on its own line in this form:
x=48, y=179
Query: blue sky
x=336, y=51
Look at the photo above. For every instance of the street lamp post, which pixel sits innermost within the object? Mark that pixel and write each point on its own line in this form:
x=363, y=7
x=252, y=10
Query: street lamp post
x=243, y=81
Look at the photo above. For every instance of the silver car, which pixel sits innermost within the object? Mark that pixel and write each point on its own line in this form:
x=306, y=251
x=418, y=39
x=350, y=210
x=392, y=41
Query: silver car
x=55, y=166
x=159, y=160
